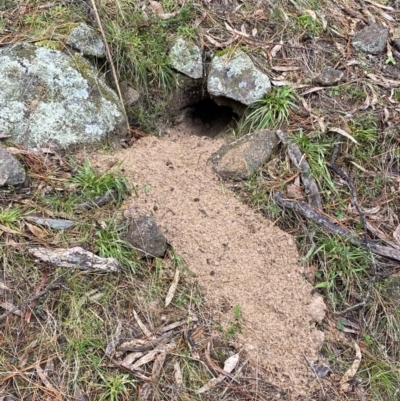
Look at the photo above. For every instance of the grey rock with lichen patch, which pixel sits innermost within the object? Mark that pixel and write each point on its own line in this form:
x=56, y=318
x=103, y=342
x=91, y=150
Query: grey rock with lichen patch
x=372, y=39
x=50, y=99
x=185, y=57
x=235, y=76
x=87, y=41
x=329, y=76
x=144, y=235
x=11, y=171
x=240, y=159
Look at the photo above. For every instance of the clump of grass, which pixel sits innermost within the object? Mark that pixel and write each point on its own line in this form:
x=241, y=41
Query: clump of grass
x=108, y=243
x=272, y=110
x=309, y=24
x=10, y=216
x=93, y=184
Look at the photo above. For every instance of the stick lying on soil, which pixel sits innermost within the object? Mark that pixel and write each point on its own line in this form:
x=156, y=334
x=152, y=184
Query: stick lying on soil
x=307, y=211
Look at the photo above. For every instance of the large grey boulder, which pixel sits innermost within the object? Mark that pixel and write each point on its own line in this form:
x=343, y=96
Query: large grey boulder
x=236, y=77
x=50, y=99
x=11, y=171
x=144, y=235
x=372, y=39
x=185, y=57
x=240, y=159
x=87, y=41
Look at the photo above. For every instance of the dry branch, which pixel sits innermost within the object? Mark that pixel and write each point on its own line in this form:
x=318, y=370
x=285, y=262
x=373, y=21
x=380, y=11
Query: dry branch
x=308, y=212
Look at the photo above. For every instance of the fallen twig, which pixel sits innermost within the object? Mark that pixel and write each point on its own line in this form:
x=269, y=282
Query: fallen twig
x=51, y=287
x=307, y=211
x=297, y=158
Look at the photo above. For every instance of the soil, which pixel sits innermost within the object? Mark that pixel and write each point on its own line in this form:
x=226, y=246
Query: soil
x=239, y=257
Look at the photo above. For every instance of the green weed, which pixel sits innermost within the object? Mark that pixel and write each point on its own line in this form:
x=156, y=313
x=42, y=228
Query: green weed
x=93, y=184
x=108, y=243
x=309, y=24
x=272, y=110
x=235, y=326
x=10, y=217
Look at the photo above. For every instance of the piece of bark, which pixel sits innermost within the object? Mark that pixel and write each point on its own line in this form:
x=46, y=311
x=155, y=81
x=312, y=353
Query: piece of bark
x=297, y=158
x=75, y=258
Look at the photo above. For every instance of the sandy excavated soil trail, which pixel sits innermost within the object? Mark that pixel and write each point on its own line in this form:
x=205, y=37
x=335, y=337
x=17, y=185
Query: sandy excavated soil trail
x=238, y=256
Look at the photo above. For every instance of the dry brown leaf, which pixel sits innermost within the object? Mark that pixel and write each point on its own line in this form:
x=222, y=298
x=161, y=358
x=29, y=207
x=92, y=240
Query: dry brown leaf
x=9, y=307
x=230, y=29
x=386, y=16
x=283, y=68
x=396, y=234
x=220, y=44
x=157, y=7
x=4, y=287
x=343, y=133
x=43, y=377
x=294, y=191
x=380, y=5
x=142, y=326
x=231, y=363
x=178, y=374
x=145, y=391
x=157, y=366
x=130, y=358
x=314, y=89
x=276, y=49
x=36, y=231
x=350, y=373
x=172, y=289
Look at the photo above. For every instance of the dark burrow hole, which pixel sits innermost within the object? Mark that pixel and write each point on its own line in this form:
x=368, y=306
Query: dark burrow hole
x=207, y=118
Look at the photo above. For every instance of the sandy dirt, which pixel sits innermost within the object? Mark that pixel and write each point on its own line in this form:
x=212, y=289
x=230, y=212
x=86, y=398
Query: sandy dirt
x=239, y=257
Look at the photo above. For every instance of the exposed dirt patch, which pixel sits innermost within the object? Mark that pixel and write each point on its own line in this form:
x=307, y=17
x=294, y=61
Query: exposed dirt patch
x=239, y=257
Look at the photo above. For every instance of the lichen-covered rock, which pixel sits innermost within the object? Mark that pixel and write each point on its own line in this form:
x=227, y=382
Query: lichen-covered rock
x=50, y=99
x=236, y=77
x=144, y=235
x=11, y=171
x=240, y=159
x=87, y=41
x=372, y=39
x=185, y=57
x=329, y=76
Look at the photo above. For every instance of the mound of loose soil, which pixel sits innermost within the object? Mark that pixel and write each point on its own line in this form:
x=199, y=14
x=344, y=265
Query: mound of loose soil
x=239, y=257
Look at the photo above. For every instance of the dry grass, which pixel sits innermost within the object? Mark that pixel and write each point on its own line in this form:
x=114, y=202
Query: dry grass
x=56, y=347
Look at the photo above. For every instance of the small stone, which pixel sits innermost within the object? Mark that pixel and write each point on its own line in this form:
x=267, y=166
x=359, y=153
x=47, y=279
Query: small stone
x=145, y=236
x=236, y=77
x=329, y=76
x=372, y=39
x=129, y=95
x=11, y=170
x=87, y=41
x=185, y=57
x=317, y=309
x=240, y=159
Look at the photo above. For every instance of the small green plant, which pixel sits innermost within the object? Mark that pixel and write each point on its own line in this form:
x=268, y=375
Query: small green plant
x=273, y=109
x=309, y=24
x=116, y=387
x=108, y=243
x=234, y=326
x=10, y=217
x=93, y=184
